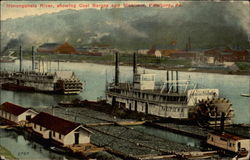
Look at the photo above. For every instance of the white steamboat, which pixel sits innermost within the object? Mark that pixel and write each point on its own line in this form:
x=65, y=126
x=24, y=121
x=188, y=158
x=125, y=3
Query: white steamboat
x=178, y=99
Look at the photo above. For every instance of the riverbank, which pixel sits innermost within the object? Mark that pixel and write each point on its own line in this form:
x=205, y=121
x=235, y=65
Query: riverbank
x=145, y=61
x=4, y=153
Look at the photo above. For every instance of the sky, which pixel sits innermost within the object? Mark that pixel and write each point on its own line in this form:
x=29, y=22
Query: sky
x=11, y=9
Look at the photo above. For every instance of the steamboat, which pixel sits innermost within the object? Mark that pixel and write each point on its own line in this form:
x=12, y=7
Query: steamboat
x=59, y=82
x=174, y=98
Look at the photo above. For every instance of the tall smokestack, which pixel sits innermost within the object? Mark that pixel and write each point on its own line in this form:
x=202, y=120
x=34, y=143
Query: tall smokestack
x=116, y=68
x=222, y=122
x=177, y=88
x=134, y=66
x=58, y=63
x=33, y=59
x=167, y=81
x=172, y=80
x=20, y=56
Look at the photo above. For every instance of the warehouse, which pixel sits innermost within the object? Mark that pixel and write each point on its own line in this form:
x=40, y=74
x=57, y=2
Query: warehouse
x=60, y=130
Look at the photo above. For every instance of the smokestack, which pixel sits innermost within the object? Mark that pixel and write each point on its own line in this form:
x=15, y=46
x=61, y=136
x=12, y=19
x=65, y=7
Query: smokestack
x=20, y=56
x=33, y=59
x=134, y=66
x=58, y=63
x=177, y=88
x=172, y=79
x=116, y=68
x=222, y=122
x=39, y=65
x=167, y=81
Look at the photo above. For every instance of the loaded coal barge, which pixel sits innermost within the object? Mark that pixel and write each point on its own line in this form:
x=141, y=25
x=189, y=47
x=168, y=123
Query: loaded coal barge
x=176, y=99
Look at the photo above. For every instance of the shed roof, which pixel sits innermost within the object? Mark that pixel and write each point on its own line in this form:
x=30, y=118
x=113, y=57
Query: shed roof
x=55, y=123
x=228, y=136
x=13, y=108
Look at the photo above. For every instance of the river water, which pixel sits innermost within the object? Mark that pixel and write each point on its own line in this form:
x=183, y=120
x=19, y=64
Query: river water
x=96, y=76
x=24, y=149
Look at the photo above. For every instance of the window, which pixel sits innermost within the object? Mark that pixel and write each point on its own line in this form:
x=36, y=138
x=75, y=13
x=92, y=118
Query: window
x=223, y=139
x=35, y=126
x=60, y=136
x=212, y=139
x=54, y=133
x=41, y=128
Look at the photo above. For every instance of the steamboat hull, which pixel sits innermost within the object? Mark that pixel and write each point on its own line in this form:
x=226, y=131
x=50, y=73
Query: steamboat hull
x=19, y=88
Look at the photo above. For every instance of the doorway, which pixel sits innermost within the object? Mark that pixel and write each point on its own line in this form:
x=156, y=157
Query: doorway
x=239, y=146
x=76, y=138
x=28, y=117
x=50, y=134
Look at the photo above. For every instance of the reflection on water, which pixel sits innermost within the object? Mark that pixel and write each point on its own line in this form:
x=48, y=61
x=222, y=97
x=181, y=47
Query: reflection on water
x=24, y=149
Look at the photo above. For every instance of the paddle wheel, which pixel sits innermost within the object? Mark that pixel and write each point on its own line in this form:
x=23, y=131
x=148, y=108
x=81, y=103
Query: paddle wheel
x=209, y=112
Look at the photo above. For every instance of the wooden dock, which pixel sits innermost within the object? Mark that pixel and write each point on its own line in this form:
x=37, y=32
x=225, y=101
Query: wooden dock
x=123, y=123
x=130, y=123
x=185, y=155
x=85, y=148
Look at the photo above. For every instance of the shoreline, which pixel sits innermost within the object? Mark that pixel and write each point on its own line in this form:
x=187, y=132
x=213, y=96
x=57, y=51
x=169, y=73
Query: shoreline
x=6, y=153
x=160, y=67
x=156, y=67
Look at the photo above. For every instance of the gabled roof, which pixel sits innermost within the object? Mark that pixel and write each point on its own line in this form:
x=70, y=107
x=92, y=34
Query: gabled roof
x=53, y=123
x=13, y=108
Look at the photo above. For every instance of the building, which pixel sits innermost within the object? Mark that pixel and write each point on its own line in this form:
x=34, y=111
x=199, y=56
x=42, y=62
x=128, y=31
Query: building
x=15, y=114
x=158, y=53
x=143, y=51
x=98, y=50
x=228, y=142
x=228, y=55
x=60, y=130
x=57, y=48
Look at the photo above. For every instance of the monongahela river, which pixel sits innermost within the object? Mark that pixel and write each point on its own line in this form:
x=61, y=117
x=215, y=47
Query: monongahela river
x=95, y=76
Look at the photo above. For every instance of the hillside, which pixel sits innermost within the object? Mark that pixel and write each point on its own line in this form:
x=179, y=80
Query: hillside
x=207, y=24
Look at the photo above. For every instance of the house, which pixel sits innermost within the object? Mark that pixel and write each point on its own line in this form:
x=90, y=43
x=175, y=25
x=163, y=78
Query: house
x=228, y=142
x=15, y=114
x=60, y=130
x=158, y=53
x=143, y=51
x=59, y=48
